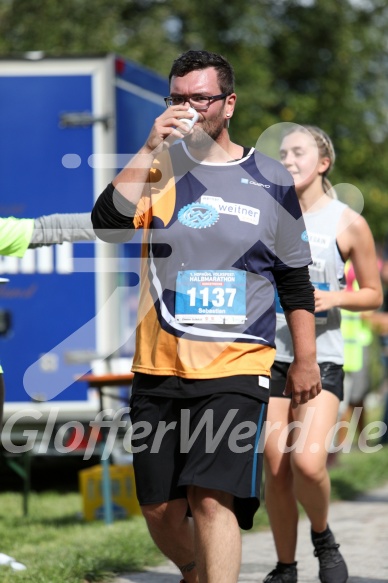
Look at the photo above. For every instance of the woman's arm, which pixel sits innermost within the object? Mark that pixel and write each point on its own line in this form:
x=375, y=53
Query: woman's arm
x=355, y=242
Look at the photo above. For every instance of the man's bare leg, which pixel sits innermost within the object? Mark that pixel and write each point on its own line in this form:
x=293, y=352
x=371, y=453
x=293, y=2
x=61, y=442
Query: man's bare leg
x=217, y=535
x=173, y=533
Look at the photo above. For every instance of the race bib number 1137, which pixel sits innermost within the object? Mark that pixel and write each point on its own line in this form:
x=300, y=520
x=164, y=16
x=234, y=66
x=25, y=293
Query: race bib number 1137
x=211, y=297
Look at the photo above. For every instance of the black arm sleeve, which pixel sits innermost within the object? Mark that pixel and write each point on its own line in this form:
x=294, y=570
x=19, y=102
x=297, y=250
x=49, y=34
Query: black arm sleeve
x=295, y=289
x=112, y=216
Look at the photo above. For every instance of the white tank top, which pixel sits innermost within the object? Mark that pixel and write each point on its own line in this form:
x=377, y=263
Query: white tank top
x=325, y=272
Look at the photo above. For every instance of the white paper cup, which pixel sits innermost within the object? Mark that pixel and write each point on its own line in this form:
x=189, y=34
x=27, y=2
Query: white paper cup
x=190, y=122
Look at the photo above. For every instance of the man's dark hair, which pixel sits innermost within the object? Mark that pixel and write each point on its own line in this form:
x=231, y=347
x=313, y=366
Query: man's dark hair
x=197, y=60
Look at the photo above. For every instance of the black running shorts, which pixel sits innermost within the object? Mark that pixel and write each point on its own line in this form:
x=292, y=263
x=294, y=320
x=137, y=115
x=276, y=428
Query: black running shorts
x=211, y=442
x=332, y=378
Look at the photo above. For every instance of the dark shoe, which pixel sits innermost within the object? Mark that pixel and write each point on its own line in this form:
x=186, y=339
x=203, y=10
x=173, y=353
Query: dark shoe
x=332, y=567
x=282, y=574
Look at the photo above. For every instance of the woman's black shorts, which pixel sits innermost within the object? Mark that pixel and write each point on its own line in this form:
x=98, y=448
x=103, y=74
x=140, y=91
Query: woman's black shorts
x=332, y=378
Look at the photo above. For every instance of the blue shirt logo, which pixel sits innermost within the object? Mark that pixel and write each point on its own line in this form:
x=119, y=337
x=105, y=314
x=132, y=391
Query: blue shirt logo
x=198, y=216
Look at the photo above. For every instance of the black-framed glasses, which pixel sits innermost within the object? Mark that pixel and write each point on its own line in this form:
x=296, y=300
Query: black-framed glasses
x=199, y=102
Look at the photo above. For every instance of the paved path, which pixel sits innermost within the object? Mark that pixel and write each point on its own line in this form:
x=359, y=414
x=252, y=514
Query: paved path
x=360, y=526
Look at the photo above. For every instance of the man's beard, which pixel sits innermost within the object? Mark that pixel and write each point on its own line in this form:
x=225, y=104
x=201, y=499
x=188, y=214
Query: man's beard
x=205, y=134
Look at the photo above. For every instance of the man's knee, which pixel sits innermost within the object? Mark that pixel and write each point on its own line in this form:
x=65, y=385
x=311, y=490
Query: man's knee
x=167, y=514
x=208, y=502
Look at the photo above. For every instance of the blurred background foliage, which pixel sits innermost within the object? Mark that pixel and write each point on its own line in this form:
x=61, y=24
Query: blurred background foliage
x=321, y=62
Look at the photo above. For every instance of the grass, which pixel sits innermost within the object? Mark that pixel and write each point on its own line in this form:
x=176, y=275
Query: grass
x=357, y=472
x=57, y=545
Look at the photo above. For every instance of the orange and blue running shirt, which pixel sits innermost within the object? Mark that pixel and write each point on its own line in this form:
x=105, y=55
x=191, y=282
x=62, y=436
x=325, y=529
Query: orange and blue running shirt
x=213, y=236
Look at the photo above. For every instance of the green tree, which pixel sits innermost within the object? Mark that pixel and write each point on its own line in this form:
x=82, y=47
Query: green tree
x=321, y=62
x=331, y=63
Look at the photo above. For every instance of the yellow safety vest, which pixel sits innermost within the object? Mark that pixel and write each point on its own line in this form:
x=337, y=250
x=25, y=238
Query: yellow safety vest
x=356, y=334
